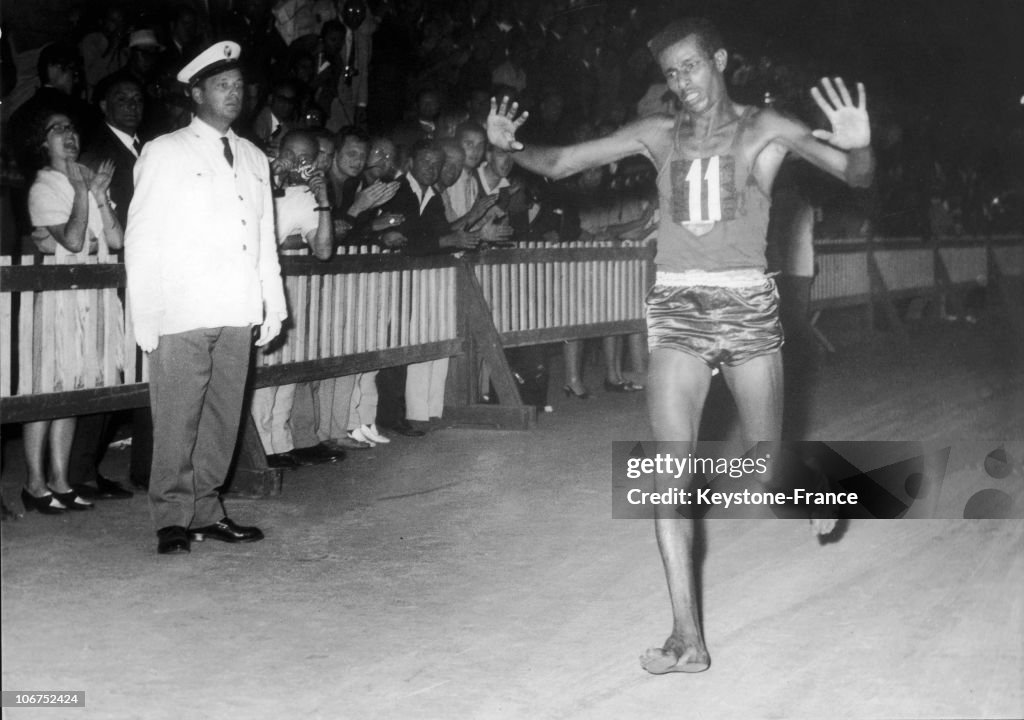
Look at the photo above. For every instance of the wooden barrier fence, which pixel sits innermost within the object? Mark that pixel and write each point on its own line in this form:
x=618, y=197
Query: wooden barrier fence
x=362, y=312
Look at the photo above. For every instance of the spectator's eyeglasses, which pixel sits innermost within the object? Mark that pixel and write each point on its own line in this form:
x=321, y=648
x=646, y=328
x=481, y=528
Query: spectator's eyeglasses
x=379, y=156
x=62, y=128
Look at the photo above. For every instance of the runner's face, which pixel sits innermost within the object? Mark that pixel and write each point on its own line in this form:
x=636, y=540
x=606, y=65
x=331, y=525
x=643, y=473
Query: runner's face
x=694, y=77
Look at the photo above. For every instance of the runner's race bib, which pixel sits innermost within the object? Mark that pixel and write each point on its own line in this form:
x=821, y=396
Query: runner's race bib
x=703, y=192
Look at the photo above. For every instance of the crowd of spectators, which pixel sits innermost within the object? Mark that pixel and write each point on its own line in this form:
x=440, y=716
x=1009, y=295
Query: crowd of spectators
x=378, y=107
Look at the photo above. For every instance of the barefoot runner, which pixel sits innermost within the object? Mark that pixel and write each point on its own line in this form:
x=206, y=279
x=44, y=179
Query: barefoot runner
x=712, y=306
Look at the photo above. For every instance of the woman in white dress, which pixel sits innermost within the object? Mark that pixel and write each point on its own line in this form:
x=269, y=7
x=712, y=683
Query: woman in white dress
x=72, y=218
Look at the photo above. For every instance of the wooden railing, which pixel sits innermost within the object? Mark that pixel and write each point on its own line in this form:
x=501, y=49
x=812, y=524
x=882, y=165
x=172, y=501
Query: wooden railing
x=367, y=311
x=543, y=293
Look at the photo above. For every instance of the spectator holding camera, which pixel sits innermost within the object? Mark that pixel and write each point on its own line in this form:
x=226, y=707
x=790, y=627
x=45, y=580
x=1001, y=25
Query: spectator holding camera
x=303, y=219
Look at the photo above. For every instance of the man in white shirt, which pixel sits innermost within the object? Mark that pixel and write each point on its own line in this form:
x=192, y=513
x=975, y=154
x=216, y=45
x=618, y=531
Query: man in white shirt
x=303, y=219
x=201, y=260
x=466, y=188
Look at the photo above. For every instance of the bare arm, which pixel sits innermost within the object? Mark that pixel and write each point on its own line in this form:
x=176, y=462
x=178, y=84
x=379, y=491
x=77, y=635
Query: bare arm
x=845, y=151
x=321, y=242
x=113, y=233
x=72, y=234
x=561, y=162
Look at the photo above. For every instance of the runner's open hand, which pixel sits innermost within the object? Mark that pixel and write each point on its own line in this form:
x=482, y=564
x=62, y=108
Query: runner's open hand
x=850, y=127
x=502, y=124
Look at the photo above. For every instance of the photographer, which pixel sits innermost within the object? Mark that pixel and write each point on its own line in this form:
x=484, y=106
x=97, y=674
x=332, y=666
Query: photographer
x=303, y=218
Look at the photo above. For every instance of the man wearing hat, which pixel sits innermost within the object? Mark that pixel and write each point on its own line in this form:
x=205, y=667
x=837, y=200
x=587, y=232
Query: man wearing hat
x=202, y=267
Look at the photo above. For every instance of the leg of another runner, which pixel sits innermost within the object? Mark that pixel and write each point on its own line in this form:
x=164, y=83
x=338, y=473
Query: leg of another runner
x=756, y=386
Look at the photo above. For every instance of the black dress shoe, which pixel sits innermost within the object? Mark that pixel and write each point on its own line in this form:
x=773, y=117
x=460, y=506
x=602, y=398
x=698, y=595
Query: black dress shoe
x=46, y=505
x=403, y=427
x=105, y=490
x=172, y=540
x=283, y=461
x=317, y=454
x=72, y=501
x=226, y=531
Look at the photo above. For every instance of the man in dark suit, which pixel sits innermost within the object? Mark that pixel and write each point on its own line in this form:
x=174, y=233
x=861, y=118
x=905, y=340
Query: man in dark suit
x=424, y=231
x=120, y=97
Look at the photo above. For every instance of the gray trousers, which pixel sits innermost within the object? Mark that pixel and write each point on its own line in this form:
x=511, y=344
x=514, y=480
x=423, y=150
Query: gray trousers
x=196, y=390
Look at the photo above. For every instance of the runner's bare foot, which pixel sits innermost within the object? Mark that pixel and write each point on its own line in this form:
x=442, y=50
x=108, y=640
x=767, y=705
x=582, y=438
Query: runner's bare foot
x=677, y=655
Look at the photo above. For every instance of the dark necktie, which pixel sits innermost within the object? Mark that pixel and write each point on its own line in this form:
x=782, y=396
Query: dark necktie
x=228, y=155
x=137, y=145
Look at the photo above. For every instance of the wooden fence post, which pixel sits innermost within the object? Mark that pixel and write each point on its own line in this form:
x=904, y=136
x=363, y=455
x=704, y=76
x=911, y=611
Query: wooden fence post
x=479, y=325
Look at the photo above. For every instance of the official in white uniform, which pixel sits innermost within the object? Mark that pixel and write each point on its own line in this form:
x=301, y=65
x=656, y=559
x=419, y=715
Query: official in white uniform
x=202, y=267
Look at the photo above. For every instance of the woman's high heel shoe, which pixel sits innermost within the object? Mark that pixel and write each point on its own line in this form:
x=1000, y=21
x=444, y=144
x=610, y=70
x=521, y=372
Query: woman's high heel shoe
x=569, y=392
x=48, y=504
x=72, y=500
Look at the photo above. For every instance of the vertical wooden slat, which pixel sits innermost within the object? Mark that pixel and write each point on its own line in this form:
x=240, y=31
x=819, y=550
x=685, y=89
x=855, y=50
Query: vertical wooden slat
x=369, y=311
x=395, y=308
x=575, y=304
x=413, y=316
x=52, y=314
x=26, y=337
x=533, y=295
x=313, y=330
x=359, y=313
x=453, y=299
x=326, y=316
x=419, y=316
x=513, y=296
x=113, y=331
x=351, y=318
x=433, y=298
x=338, y=328
x=308, y=319
x=384, y=299
x=406, y=313
x=376, y=318
x=497, y=309
x=6, y=336
x=560, y=274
